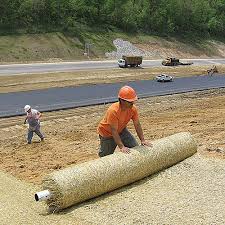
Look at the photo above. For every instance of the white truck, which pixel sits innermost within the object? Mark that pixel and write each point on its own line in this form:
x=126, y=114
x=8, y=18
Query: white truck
x=129, y=61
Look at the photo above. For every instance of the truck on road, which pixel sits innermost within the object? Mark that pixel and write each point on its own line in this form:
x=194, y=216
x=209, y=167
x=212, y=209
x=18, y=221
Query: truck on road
x=129, y=61
x=174, y=62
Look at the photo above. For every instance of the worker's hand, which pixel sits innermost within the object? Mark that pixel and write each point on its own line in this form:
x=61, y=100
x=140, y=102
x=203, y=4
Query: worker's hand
x=125, y=150
x=146, y=143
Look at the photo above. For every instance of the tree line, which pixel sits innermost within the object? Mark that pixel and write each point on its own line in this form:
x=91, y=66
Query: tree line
x=166, y=17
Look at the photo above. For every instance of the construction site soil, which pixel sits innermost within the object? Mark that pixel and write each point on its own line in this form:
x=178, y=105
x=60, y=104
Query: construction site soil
x=71, y=136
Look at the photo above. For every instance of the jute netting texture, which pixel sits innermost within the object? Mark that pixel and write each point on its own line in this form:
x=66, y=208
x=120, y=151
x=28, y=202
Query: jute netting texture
x=81, y=182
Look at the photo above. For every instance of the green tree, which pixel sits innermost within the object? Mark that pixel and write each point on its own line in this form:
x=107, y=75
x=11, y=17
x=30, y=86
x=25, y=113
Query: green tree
x=216, y=23
x=9, y=16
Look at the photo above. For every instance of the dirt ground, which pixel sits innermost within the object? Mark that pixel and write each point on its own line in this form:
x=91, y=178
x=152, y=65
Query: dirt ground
x=71, y=136
x=71, y=139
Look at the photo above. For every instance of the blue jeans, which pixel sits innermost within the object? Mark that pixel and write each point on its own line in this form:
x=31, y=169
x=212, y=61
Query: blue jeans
x=108, y=145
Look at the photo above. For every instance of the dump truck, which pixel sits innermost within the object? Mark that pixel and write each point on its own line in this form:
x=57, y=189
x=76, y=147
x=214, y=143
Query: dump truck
x=130, y=61
x=174, y=62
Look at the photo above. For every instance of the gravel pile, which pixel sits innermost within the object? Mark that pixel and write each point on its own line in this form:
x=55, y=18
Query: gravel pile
x=126, y=48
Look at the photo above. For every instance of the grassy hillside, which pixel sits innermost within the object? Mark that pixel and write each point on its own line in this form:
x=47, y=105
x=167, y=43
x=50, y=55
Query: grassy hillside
x=60, y=47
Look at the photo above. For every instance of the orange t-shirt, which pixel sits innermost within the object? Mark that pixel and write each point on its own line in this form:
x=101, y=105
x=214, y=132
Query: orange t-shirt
x=115, y=116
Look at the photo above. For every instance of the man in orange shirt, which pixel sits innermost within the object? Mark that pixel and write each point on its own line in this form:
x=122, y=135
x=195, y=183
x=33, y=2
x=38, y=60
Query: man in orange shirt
x=112, y=128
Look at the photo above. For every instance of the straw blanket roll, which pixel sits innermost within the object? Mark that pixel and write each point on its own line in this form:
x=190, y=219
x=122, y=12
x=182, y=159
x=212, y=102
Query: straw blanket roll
x=90, y=179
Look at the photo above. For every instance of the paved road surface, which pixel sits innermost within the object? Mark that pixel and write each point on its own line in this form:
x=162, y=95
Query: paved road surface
x=11, y=104
x=14, y=69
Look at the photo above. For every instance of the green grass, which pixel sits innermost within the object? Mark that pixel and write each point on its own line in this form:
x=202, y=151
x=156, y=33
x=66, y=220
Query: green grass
x=52, y=46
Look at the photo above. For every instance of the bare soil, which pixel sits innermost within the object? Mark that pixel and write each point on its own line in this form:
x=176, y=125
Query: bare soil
x=190, y=192
x=71, y=139
x=71, y=136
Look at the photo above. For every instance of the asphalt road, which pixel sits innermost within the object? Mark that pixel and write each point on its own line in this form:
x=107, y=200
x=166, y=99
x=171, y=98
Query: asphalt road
x=11, y=104
x=16, y=69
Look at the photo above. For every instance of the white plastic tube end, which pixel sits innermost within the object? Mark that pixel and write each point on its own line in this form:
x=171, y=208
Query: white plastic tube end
x=42, y=195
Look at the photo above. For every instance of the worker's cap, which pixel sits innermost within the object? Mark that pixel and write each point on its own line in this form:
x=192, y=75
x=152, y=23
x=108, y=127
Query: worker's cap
x=27, y=108
x=127, y=93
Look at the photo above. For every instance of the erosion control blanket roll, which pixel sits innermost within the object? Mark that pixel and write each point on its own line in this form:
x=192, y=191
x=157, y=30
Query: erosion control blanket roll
x=84, y=181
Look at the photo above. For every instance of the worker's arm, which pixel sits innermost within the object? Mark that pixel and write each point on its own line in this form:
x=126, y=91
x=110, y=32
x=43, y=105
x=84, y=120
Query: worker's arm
x=25, y=120
x=118, y=141
x=38, y=115
x=140, y=134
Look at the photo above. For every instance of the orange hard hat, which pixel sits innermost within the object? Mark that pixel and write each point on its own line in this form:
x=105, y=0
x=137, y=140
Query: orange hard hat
x=127, y=93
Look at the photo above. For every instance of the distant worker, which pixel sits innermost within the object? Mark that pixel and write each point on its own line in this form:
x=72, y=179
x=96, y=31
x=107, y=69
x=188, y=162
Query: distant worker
x=33, y=119
x=113, y=130
x=212, y=70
